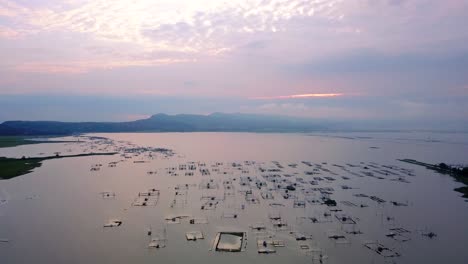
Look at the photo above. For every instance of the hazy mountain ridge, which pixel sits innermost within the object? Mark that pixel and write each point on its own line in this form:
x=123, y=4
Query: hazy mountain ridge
x=166, y=123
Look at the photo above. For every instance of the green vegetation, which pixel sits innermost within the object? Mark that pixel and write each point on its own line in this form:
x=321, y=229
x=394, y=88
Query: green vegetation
x=11, y=167
x=12, y=141
x=459, y=174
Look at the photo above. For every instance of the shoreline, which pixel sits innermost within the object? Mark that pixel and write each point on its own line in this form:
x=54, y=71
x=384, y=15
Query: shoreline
x=12, y=167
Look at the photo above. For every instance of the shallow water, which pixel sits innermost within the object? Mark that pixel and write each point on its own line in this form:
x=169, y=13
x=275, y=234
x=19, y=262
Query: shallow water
x=56, y=213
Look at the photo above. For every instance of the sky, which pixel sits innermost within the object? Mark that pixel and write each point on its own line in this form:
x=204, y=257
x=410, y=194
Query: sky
x=398, y=61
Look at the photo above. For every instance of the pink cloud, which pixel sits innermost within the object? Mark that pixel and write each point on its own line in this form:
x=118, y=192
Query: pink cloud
x=8, y=33
x=78, y=67
x=298, y=96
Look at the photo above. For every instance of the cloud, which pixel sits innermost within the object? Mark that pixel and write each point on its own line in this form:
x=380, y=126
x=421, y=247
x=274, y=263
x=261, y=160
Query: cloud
x=319, y=53
x=175, y=25
x=77, y=67
x=299, y=96
x=194, y=28
x=8, y=33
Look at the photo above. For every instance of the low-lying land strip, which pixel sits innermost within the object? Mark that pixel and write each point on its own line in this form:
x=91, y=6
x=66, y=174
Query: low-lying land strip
x=12, y=167
x=13, y=141
x=460, y=174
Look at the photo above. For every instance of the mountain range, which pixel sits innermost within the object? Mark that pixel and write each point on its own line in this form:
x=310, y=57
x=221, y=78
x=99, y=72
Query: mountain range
x=216, y=122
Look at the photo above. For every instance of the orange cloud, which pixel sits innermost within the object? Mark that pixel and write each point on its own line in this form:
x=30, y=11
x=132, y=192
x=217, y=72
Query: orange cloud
x=297, y=96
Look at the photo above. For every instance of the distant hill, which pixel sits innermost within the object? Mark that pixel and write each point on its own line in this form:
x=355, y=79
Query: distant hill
x=166, y=123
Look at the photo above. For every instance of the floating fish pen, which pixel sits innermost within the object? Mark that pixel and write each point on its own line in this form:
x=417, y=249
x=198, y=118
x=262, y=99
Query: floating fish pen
x=361, y=195
x=230, y=241
x=279, y=224
x=107, y=195
x=301, y=236
x=308, y=192
x=198, y=221
x=260, y=184
x=338, y=237
x=245, y=181
x=229, y=214
x=299, y=204
x=267, y=195
x=94, y=168
x=345, y=219
x=205, y=172
x=317, y=255
x=182, y=187
x=313, y=200
x=194, y=235
x=398, y=203
x=208, y=184
x=352, y=230
x=377, y=199
x=158, y=241
x=180, y=198
x=348, y=203
x=113, y=223
x=381, y=249
x=305, y=247
x=210, y=202
x=274, y=205
x=149, y=198
x=286, y=194
x=277, y=164
x=401, y=179
x=172, y=171
x=250, y=198
x=268, y=245
x=175, y=219
x=258, y=227
x=397, y=236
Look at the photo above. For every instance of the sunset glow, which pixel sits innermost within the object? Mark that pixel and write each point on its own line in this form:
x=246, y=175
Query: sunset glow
x=287, y=57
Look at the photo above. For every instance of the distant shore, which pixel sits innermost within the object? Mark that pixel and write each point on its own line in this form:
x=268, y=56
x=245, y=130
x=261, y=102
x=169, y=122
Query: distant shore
x=13, y=141
x=459, y=174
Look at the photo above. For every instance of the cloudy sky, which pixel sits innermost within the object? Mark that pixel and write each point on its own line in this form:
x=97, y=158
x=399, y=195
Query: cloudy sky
x=395, y=60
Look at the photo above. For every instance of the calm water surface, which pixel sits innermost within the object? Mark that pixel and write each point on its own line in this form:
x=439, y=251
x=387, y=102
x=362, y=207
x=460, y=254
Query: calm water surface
x=56, y=213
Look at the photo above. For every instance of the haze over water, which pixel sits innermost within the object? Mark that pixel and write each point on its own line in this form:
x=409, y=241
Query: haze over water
x=56, y=213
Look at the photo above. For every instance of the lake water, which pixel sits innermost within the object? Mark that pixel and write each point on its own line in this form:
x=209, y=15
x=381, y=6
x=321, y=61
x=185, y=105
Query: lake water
x=56, y=213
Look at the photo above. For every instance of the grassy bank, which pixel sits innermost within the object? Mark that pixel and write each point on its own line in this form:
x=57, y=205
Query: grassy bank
x=459, y=174
x=13, y=141
x=11, y=167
